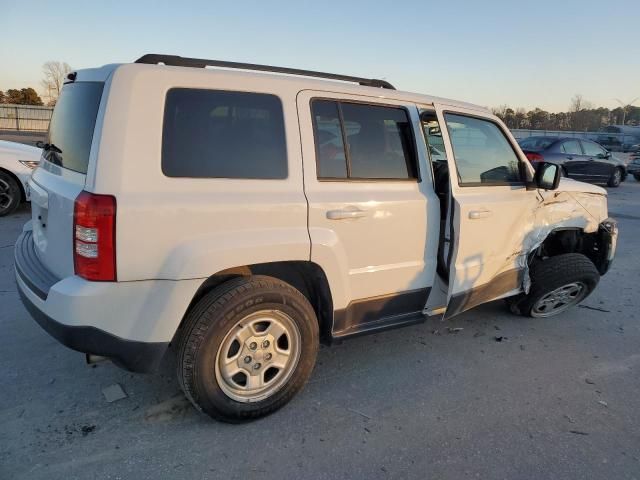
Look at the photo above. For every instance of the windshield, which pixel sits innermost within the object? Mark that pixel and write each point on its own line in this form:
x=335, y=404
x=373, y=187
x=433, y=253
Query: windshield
x=72, y=124
x=536, y=144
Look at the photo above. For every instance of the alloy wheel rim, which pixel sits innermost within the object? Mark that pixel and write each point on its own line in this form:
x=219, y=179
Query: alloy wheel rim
x=559, y=300
x=617, y=176
x=258, y=356
x=5, y=195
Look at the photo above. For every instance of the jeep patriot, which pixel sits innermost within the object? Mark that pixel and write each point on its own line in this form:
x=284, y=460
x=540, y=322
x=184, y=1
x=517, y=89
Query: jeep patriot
x=243, y=214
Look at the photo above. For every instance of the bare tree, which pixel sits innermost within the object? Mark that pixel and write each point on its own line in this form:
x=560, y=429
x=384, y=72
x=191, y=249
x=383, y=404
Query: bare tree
x=578, y=103
x=577, y=112
x=55, y=74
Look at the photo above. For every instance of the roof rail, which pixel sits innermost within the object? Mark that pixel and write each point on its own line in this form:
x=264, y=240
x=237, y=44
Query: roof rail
x=176, y=61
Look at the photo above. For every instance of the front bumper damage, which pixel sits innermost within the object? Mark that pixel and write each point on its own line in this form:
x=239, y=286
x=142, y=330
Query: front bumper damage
x=607, y=244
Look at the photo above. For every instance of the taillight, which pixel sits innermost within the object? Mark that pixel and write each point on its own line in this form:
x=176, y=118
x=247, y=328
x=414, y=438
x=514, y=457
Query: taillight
x=94, y=237
x=534, y=157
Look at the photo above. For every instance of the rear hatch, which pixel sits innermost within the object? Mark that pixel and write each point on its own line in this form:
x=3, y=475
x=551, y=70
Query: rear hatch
x=59, y=179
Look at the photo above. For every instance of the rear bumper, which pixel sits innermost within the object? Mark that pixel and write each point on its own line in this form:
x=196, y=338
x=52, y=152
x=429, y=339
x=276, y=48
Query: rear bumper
x=128, y=354
x=132, y=323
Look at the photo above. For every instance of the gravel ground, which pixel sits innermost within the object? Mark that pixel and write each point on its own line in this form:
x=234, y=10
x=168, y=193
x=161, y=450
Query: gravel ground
x=555, y=398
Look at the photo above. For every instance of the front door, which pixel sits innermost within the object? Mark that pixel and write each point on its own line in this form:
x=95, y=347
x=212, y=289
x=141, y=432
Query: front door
x=492, y=208
x=599, y=169
x=371, y=201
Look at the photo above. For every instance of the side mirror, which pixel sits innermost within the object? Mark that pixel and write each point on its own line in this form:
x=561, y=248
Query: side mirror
x=547, y=176
x=607, y=155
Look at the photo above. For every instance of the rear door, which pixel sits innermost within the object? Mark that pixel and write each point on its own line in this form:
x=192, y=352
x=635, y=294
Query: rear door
x=491, y=208
x=572, y=158
x=370, y=206
x=61, y=175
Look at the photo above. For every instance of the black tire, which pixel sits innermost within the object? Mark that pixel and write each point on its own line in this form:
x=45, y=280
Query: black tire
x=553, y=273
x=10, y=194
x=207, y=325
x=616, y=178
x=637, y=176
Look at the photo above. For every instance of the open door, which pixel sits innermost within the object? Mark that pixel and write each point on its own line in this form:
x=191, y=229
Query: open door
x=490, y=208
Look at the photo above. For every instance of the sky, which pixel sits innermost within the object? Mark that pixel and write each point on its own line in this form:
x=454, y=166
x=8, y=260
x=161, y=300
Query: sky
x=534, y=53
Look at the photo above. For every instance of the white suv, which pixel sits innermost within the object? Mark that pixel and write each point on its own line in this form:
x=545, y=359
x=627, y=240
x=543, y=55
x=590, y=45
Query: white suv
x=245, y=216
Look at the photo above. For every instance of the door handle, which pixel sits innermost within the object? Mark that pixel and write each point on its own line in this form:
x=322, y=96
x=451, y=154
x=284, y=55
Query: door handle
x=343, y=214
x=476, y=214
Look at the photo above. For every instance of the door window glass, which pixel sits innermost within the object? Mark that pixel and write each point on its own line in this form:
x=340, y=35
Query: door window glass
x=331, y=159
x=593, y=149
x=379, y=141
x=571, y=147
x=482, y=153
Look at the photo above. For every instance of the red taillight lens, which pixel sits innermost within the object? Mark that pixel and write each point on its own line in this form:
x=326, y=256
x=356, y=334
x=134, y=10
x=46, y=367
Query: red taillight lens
x=94, y=237
x=534, y=157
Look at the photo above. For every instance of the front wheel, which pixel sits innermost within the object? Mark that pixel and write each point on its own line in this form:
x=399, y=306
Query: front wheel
x=615, y=179
x=636, y=176
x=557, y=284
x=10, y=194
x=247, y=348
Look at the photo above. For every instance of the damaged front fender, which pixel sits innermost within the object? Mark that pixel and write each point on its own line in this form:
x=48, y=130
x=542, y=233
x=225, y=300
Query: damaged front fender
x=575, y=207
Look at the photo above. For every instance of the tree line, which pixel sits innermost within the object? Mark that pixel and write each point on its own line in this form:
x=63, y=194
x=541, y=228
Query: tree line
x=582, y=116
x=54, y=76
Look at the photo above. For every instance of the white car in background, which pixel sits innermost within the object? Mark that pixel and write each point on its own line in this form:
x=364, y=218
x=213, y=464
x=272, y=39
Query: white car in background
x=17, y=161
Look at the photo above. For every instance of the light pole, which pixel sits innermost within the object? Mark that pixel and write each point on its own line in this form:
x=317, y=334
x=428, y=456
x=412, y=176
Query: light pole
x=625, y=106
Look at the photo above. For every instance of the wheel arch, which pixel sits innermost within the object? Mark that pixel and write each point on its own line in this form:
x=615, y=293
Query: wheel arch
x=306, y=276
x=23, y=194
x=569, y=240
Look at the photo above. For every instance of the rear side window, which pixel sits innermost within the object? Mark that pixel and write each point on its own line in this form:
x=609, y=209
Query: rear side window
x=536, y=144
x=220, y=134
x=378, y=139
x=72, y=124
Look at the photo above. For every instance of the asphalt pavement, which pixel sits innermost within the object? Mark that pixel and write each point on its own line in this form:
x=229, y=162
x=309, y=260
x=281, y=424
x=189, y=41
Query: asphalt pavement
x=505, y=397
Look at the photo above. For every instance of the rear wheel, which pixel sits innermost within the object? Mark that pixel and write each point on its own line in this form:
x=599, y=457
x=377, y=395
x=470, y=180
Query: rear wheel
x=636, y=176
x=557, y=284
x=616, y=178
x=10, y=194
x=247, y=348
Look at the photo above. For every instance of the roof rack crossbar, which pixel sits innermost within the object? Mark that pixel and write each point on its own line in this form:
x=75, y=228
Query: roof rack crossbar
x=176, y=61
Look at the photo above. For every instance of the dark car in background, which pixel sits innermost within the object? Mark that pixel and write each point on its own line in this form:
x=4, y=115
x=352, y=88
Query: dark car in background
x=580, y=159
x=634, y=165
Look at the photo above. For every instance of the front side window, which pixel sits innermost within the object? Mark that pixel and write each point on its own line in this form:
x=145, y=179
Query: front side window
x=358, y=141
x=593, y=149
x=571, y=147
x=220, y=134
x=482, y=153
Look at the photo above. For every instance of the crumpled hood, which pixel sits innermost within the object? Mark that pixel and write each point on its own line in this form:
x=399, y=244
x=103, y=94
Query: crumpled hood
x=570, y=185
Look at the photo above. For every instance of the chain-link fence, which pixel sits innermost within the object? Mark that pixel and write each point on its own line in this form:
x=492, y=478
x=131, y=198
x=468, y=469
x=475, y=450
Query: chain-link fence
x=25, y=118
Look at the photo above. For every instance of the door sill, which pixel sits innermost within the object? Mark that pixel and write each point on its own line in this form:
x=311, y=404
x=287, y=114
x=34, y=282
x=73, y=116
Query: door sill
x=385, y=323
x=434, y=311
